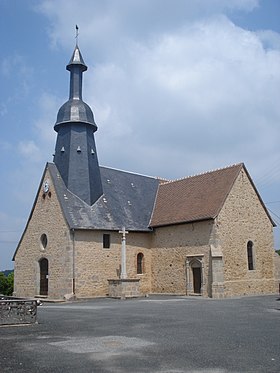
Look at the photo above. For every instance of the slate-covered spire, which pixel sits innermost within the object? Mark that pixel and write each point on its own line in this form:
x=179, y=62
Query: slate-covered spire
x=76, y=66
x=75, y=109
x=75, y=152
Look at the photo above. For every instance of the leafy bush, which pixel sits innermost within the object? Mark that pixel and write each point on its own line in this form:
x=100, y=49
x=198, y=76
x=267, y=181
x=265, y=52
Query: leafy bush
x=6, y=284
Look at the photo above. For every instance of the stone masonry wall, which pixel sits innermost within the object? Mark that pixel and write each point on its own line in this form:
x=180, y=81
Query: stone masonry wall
x=277, y=271
x=170, y=247
x=94, y=265
x=46, y=219
x=241, y=219
x=124, y=288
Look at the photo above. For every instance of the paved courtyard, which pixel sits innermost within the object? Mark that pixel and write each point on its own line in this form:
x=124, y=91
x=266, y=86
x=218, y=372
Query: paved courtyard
x=155, y=334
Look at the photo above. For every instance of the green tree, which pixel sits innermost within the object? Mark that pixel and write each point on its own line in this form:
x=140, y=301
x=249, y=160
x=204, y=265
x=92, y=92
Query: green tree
x=10, y=283
x=3, y=283
x=6, y=284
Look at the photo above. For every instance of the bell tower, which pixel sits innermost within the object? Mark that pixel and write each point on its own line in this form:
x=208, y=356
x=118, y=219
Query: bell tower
x=75, y=151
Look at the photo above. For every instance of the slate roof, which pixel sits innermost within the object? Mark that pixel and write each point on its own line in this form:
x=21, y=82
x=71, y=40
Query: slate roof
x=141, y=202
x=194, y=198
x=128, y=200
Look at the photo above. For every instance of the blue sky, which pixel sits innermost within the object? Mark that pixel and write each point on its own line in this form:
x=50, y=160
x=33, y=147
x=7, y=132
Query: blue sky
x=176, y=87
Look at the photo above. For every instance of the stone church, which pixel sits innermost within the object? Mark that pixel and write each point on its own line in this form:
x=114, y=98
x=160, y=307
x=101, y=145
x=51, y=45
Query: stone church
x=208, y=234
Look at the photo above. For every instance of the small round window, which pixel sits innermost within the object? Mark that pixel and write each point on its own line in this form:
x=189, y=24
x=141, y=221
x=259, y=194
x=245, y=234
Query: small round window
x=44, y=240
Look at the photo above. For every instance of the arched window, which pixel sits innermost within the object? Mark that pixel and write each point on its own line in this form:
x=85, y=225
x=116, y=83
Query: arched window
x=44, y=276
x=140, y=263
x=250, y=255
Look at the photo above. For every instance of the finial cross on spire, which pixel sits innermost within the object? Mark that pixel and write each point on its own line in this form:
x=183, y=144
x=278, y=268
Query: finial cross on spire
x=77, y=34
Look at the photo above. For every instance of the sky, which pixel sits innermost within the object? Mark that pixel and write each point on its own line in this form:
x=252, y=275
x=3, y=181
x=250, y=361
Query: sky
x=177, y=88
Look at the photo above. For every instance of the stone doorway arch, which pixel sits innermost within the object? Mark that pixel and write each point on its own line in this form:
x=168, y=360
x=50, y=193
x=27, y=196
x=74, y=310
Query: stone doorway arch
x=44, y=276
x=194, y=275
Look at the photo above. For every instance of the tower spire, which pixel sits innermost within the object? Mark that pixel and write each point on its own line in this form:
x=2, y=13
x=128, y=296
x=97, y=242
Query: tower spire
x=75, y=152
x=75, y=109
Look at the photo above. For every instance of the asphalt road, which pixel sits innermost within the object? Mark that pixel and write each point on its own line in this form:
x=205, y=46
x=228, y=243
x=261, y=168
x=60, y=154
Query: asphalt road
x=155, y=334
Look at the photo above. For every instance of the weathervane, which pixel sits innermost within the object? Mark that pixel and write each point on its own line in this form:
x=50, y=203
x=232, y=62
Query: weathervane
x=77, y=34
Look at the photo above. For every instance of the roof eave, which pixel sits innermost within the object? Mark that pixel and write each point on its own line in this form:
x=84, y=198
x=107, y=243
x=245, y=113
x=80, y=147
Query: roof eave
x=197, y=220
x=147, y=230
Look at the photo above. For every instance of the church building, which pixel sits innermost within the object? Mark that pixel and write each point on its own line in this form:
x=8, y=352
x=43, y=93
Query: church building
x=97, y=231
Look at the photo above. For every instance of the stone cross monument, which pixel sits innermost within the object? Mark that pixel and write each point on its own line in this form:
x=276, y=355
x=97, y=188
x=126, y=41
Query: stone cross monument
x=124, y=287
x=123, y=262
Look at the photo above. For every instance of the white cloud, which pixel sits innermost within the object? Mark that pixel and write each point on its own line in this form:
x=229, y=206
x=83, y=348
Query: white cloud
x=40, y=147
x=35, y=151
x=48, y=107
x=207, y=90
x=270, y=39
x=180, y=83
x=105, y=24
x=29, y=150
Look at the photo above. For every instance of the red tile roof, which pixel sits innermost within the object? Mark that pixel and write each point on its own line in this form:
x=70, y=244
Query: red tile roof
x=194, y=198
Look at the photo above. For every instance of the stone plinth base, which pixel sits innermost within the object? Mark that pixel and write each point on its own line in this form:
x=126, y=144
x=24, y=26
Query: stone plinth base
x=124, y=288
x=218, y=290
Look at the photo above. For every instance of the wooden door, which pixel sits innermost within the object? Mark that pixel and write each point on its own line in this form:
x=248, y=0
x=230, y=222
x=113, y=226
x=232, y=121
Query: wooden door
x=197, y=280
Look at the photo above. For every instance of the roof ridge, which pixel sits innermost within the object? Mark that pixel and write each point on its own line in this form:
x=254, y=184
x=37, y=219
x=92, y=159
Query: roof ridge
x=134, y=173
x=203, y=173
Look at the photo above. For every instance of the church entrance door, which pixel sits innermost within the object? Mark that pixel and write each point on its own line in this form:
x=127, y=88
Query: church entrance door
x=196, y=280
x=44, y=274
x=195, y=274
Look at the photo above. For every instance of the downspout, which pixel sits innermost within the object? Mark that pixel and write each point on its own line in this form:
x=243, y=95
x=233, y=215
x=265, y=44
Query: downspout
x=73, y=269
